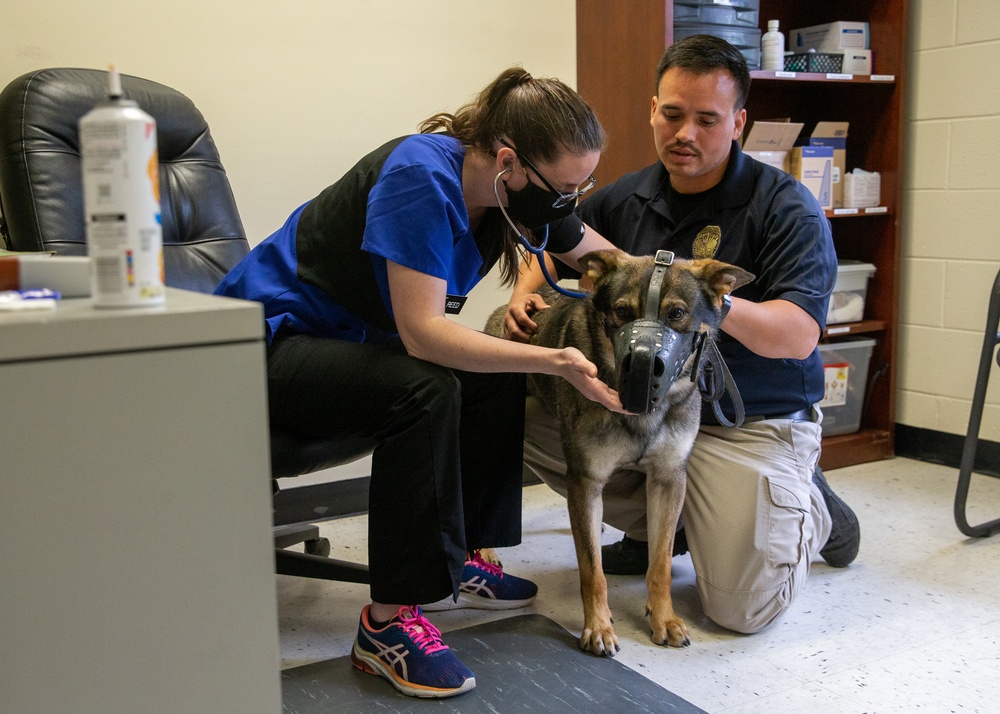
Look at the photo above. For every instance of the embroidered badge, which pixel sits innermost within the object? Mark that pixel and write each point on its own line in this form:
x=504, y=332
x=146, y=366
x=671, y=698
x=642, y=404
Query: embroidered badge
x=706, y=244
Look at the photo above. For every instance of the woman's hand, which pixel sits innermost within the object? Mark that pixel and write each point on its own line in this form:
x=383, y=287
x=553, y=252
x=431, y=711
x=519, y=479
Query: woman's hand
x=582, y=374
x=517, y=323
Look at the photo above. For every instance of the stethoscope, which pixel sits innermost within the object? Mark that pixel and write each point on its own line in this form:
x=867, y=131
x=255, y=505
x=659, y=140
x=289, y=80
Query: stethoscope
x=539, y=251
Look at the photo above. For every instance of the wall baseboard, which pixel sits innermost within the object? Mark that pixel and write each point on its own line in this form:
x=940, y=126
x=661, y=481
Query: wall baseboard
x=938, y=447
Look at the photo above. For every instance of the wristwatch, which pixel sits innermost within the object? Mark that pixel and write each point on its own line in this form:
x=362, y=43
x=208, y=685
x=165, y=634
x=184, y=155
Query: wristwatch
x=727, y=305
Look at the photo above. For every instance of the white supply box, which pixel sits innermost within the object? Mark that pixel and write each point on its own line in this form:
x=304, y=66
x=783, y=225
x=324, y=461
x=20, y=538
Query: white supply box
x=813, y=167
x=855, y=61
x=862, y=189
x=847, y=303
x=842, y=35
x=834, y=135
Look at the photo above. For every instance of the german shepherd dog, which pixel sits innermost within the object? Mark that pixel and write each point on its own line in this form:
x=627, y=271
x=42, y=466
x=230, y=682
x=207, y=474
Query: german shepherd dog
x=597, y=441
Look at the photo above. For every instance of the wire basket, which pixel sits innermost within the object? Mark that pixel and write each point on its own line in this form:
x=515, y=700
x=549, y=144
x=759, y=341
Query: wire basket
x=824, y=62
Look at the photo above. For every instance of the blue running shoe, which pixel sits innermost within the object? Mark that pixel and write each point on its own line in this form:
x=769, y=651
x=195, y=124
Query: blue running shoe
x=487, y=587
x=409, y=652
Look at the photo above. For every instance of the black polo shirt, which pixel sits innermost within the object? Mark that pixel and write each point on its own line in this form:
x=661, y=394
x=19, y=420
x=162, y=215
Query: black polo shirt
x=757, y=217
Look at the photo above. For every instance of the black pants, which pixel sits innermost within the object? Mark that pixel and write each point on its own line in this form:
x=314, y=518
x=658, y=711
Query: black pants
x=447, y=470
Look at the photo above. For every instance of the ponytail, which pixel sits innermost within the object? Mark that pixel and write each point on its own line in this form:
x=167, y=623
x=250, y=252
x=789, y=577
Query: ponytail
x=542, y=117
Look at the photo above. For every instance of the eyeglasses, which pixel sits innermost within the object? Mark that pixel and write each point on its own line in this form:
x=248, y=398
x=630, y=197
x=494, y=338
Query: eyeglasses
x=563, y=199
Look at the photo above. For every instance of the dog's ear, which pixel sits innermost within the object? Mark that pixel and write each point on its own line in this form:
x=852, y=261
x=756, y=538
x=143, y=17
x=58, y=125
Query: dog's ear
x=722, y=278
x=600, y=262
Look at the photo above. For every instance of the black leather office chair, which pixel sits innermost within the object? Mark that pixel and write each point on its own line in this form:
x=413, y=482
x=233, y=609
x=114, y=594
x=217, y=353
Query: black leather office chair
x=41, y=202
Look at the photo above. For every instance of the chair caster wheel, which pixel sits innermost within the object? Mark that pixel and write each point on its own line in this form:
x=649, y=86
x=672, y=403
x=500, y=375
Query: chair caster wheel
x=320, y=546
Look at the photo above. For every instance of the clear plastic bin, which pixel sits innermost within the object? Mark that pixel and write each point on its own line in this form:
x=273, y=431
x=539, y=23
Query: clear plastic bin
x=845, y=365
x=745, y=39
x=847, y=303
x=745, y=13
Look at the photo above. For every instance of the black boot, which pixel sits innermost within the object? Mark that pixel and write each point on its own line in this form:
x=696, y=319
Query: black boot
x=631, y=557
x=845, y=534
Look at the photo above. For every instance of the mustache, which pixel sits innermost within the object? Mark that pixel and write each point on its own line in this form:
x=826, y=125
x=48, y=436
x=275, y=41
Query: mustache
x=684, y=146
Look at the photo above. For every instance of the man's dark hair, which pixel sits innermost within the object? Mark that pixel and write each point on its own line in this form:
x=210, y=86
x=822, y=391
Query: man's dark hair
x=701, y=54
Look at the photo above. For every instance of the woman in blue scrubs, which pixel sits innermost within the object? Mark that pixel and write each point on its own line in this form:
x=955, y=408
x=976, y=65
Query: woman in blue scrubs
x=356, y=286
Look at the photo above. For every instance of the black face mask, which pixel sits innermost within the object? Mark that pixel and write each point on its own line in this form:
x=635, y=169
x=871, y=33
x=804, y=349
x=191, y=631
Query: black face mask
x=532, y=206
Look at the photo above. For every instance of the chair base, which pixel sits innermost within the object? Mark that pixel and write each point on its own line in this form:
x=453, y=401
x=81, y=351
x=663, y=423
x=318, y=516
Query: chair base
x=313, y=563
x=306, y=533
x=303, y=565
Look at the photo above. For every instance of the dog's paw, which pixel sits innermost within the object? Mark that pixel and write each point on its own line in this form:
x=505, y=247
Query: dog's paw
x=600, y=640
x=671, y=632
x=490, y=556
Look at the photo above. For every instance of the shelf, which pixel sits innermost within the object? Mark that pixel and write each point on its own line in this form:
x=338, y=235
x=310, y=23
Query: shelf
x=768, y=75
x=858, y=212
x=854, y=328
x=857, y=448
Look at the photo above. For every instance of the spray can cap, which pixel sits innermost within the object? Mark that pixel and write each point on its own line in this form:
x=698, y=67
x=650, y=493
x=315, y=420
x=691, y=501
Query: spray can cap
x=114, y=83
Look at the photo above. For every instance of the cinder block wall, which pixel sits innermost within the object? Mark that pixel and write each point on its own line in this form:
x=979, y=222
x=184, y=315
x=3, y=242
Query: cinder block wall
x=951, y=246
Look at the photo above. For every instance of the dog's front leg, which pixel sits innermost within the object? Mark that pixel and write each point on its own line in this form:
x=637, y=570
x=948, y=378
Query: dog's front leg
x=585, y=510
x=664, y=500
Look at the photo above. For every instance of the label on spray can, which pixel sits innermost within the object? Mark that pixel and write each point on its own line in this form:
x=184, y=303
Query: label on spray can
x=122, y=204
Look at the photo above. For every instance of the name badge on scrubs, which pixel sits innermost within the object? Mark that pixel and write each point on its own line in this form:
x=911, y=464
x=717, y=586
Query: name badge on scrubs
x=453, y=304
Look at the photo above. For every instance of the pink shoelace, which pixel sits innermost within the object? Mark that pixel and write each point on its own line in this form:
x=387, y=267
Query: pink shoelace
x=426, y=637
x=477, y=560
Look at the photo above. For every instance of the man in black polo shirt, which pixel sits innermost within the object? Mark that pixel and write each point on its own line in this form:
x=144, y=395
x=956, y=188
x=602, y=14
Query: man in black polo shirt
x=758, y=510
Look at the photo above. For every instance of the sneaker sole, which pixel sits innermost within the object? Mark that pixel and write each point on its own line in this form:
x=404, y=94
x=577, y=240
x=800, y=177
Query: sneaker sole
x=367, y=662
x=475, y=602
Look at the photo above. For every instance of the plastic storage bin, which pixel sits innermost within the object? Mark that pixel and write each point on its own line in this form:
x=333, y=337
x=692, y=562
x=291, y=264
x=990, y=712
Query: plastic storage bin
x=847, y=303
x=845, y=366
x=745, y=39
x=744, y=13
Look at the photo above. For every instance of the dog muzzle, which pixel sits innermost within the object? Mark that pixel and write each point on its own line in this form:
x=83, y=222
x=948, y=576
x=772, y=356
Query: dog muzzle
x=649, y=356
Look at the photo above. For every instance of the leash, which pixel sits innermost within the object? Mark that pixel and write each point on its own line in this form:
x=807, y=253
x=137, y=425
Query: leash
x=714, y=379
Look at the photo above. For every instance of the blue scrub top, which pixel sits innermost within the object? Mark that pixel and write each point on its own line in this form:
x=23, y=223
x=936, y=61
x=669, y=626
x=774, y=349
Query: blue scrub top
x=324, y=271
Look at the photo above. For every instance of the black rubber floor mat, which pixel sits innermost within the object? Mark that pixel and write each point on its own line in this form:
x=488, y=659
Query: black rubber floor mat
x=526, y=663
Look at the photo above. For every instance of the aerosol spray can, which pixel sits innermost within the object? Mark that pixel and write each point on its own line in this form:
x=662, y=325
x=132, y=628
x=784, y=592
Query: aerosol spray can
x=121, y=197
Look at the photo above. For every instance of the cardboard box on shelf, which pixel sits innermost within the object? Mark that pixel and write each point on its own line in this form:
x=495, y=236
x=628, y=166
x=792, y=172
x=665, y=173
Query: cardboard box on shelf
x=830, y=36
x=855, y=61
x=834, y=135
x=770, y=142
x=813, y=166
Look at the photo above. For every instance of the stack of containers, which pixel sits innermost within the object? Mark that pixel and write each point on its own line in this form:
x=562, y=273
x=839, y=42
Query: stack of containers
x=736, y=22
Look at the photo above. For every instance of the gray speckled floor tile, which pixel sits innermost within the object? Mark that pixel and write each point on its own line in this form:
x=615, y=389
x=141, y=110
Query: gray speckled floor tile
x=926, y=679
x=912, y=625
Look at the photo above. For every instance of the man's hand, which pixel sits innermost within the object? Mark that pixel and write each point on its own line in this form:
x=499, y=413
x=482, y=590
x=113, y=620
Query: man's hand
x=517, y=323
